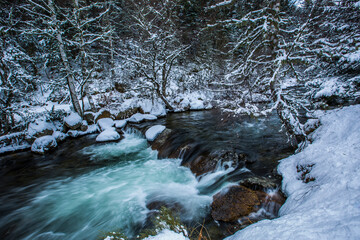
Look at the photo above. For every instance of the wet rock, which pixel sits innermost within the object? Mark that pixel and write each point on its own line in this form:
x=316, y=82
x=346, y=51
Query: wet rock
x=89, y=117
x=204, y=164
x=233, y=203
x=259, y=183
x=103, y=114
x=161, y=141
x=73, y=121
x=128, y=113
x=44, y=144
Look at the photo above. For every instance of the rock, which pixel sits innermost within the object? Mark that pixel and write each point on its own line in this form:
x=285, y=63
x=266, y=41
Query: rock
x=44, y=144
x=105, y=123
x=153, y=132
x=233, y=203
x=89, y=117
x=39, y=128
x=59, y=136
x=160, y=142
x=259, y=183
x=103, y=114
x=73, y=133
x=120, y=123
x=204, y=164
x=108, y=135
x=139, y=117
x=128, y=113
x=84, y=126
x=73, y=121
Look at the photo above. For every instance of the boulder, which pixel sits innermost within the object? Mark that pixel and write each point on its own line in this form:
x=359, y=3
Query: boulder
x=105, y=123
x=208, y=163
x=120, y=123
x=89, y=117
x=139, y=117
x=84, y=126
x=153, y=132
x=128, y=113
x=73, y=121
x=39, y=128
x=59, y=136
x=73, y=133
x=160, y=142
x=44, y=144
x=259, y=183
x=233, y=203
x=103, y=114
x=108, y=135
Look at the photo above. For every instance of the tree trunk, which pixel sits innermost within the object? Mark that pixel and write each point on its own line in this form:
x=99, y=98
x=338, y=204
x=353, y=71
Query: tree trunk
x=69, y=78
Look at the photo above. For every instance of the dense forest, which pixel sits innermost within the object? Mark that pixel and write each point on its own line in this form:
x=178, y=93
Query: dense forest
x=290, y=54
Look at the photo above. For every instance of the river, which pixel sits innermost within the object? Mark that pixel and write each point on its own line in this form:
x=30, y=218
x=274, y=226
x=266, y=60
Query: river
x=84, y=188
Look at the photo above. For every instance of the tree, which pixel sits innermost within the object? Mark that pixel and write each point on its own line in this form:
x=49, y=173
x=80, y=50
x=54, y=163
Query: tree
x=156, y=47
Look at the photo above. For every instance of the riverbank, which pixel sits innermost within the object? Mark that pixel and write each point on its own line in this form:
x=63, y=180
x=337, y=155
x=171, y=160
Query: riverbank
x=322, y=184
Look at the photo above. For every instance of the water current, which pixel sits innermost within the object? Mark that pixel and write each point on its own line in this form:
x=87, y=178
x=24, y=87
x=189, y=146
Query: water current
x=83, y=188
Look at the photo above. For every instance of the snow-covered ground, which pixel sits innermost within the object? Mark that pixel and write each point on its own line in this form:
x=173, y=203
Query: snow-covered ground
x=328, y=205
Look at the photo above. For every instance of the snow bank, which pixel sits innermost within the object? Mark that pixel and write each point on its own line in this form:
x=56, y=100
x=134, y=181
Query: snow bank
x=105, y=123
x=43, y=144
x=167, y=235
x=322, y=184
x=193, y=101
x=139, y=117
x=109, y=134
x=153, y=132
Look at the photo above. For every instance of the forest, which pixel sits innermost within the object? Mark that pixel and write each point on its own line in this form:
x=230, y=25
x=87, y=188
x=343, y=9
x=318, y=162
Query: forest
x=70, y=68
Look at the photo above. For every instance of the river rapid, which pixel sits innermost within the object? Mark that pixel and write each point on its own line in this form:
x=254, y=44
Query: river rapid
x=84, y=188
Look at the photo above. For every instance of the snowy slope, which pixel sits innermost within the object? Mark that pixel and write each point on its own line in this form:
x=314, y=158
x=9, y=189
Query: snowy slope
x=329, y=206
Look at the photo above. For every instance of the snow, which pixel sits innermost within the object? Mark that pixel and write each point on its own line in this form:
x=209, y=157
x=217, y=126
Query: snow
x=59, y=136
x=167, y=235
x=110, y=134
x=153, y=132
x=193, y=101
x=328, y=205
x=40, y=126
x=43, y=144
x=353, y=57
x=14, y=148
x=139, y=117
x=105, y=123
x=73, y=119
x=120, y=123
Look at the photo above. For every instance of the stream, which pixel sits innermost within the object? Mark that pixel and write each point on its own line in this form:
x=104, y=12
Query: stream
x=84, y=188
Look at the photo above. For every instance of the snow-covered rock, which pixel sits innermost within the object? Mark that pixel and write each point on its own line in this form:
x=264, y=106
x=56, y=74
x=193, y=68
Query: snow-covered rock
x=322, y=183
x=197, y=104
x=167, y=235
x=73, y=133
x=109, y=134
x=120, y=123
x=105, y=123
x=73, y=121
x=139, y=117
x=59, y=136
x=40, y=128
x=153, y=132
x=44, y=144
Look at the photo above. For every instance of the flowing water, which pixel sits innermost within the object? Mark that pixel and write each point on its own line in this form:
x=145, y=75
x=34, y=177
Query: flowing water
x=84, y=188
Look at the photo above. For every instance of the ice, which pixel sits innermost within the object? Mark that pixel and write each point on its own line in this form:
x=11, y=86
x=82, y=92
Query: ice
x=167, y=235
x=109, y=134
x=43, y=144
x=153, y=132
x=106, y=123
x=322, y=184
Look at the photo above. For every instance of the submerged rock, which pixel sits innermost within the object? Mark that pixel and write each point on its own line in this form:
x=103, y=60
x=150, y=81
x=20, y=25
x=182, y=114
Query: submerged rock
x=44, y=144
x=233, y=203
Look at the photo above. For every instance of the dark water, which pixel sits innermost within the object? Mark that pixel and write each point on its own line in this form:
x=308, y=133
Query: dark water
x=84, y=188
